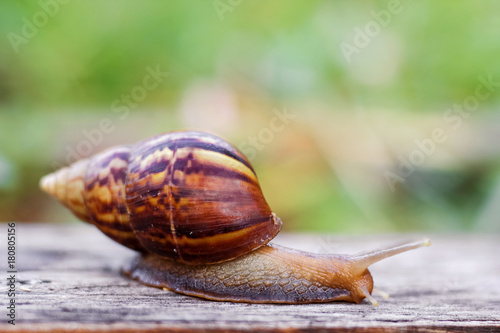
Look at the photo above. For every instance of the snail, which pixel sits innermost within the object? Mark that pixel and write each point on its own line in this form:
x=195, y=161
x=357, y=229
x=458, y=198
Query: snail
x=191, y=204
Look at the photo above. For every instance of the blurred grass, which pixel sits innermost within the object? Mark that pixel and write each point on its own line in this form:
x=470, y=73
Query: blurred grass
x=325, y=170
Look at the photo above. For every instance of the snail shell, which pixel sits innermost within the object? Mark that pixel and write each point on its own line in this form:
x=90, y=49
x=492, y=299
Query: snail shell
x=187, y=196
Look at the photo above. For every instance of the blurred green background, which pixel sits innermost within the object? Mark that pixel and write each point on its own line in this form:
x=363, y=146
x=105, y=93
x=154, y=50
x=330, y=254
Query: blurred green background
x=336, y=103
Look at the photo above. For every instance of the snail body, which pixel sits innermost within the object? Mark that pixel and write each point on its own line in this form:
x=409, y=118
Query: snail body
x=270, y=274
x=191, y=204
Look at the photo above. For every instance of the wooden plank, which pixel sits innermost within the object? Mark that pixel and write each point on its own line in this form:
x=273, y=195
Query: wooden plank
x=73, y=274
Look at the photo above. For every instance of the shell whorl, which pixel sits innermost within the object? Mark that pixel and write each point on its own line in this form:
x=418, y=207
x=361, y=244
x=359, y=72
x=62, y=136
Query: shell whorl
x=67, y=185
x=94, y=190
x=186, y=196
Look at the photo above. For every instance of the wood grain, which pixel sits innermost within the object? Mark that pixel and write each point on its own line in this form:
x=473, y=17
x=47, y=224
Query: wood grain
x=73, y=274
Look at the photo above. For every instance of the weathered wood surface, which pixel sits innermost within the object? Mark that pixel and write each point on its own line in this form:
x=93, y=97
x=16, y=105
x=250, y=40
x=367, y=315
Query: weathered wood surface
x=73, y=273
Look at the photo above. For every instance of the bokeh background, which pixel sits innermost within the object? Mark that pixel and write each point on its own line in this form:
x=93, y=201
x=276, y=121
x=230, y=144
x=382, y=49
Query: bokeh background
x=331, y=100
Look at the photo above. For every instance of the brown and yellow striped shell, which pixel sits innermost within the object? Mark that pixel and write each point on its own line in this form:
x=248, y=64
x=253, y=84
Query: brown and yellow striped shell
x=187, y=196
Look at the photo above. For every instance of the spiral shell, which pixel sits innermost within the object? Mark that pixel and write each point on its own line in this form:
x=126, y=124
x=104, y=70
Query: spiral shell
x=187, y=196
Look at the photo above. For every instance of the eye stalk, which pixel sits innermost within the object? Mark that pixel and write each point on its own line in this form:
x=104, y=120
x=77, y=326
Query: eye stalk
x=363, y=260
